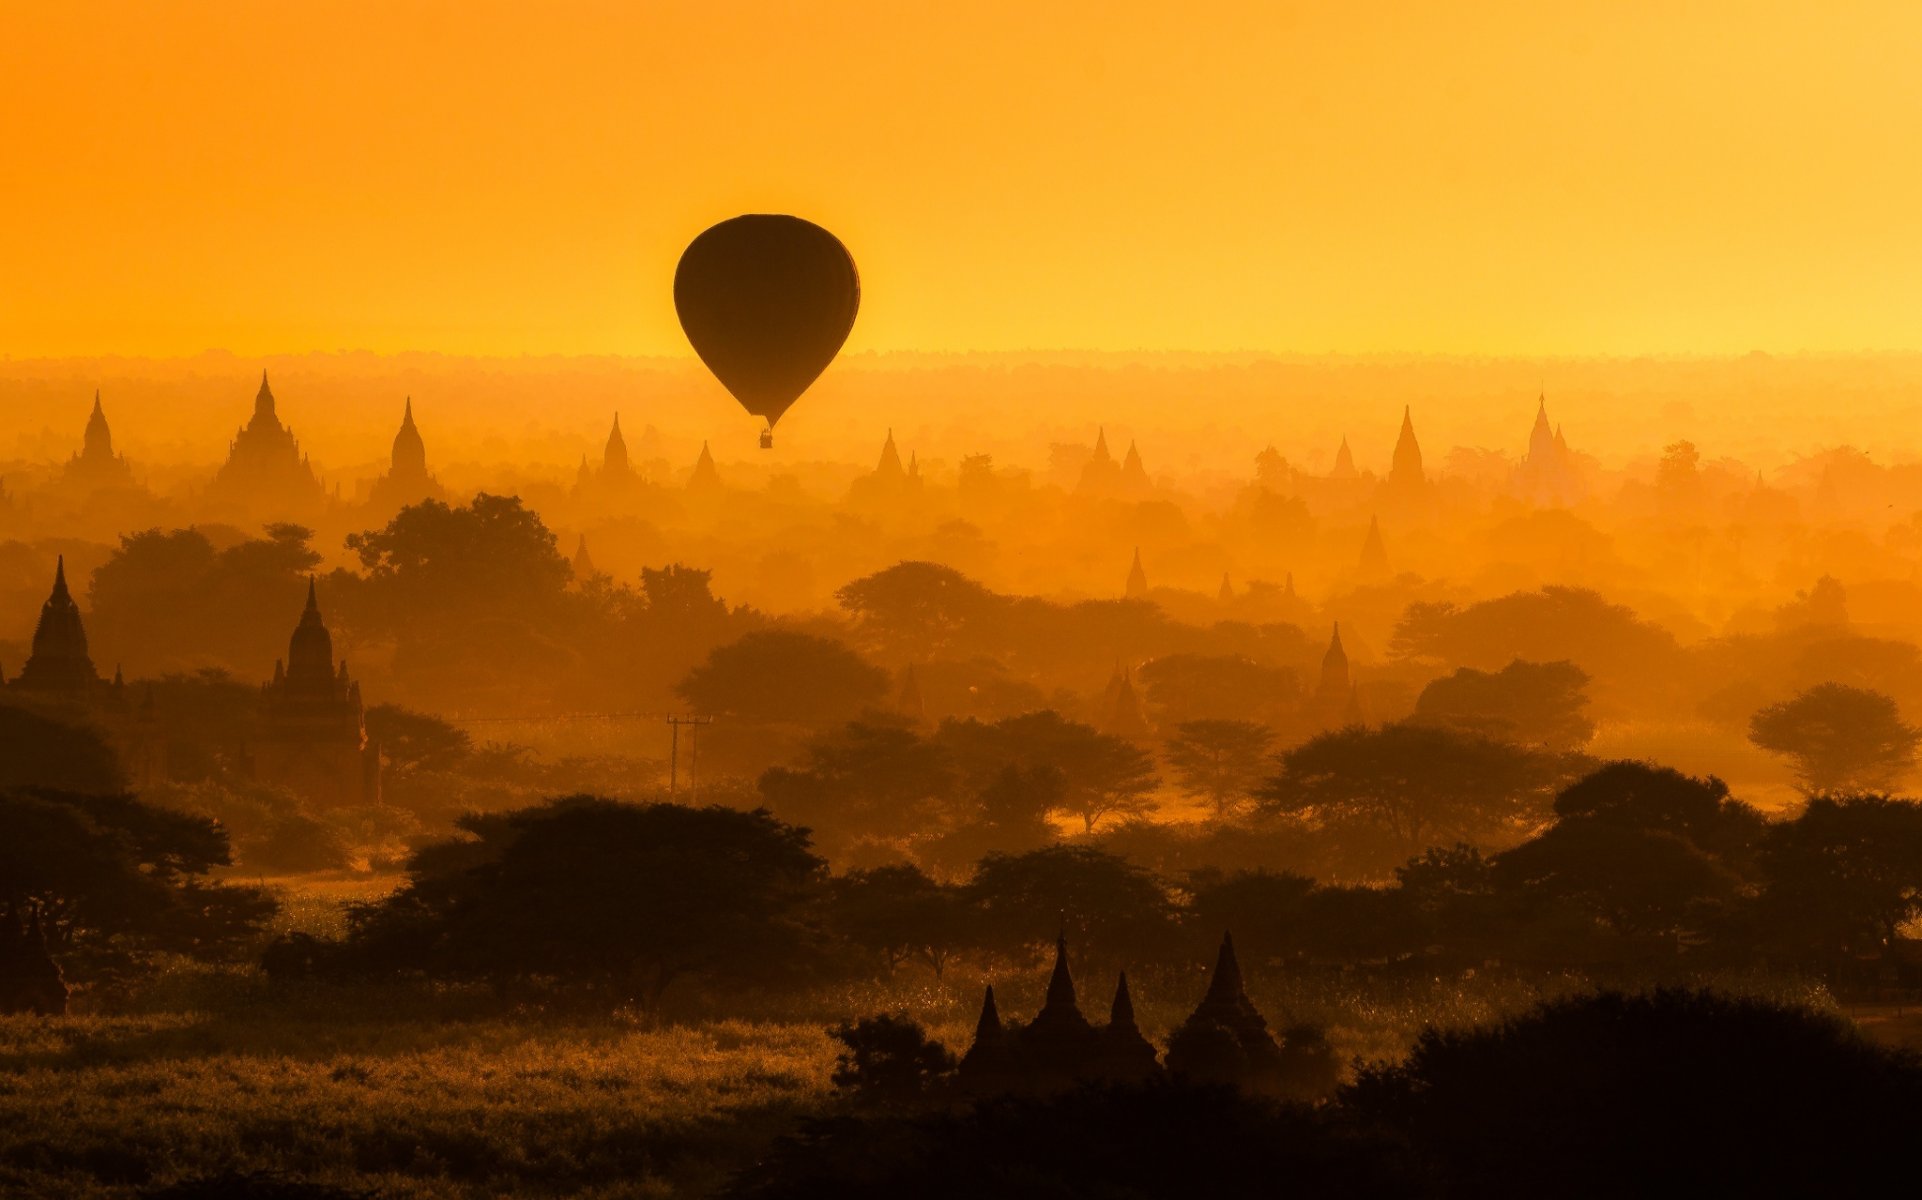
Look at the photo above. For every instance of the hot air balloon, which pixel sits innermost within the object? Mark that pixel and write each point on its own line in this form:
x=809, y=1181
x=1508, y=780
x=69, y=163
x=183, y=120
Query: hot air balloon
x=766, y=301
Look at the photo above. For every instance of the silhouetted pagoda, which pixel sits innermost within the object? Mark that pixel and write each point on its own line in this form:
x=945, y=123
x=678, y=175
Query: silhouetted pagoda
x=59, y=664
x=313, y=731
x=1334, y=688
x=1374, y=553
x=1100, y=475
x=1547, y=474
x=889, y=483
x=59, y=674
x=96, y=466
x=1406, y=473
x=1137, y=585
x=583, y=564
x=705, y=478
x=1121, y=712
x=1344, y=462
x=1225, y=1040
x=1059, y=1048
x=265, y=468
x=1134, y=483
x=407, y=480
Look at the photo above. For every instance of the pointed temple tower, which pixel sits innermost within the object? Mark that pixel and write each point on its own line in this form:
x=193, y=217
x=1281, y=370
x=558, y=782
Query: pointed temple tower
x=705, y=479
x=96, y=466
x=1134, y=482
x=59, y=665
x=1344, y=462
x=1137, y=585
x=1546, y=474
x=1332, y=690
x=407, y=480
x=1374, y=553
x=1406, y=473
x=1059, y=1048
x=614, y=455
x=1225, y=1040
x=59, y=674
x=1121, y=711
x=584, y=568
x=265, y=470
x=313, y=736
x=889, y=468
x=1100, y=475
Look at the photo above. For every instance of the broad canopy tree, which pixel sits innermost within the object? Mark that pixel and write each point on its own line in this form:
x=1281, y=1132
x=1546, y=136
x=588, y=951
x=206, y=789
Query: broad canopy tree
x=627, y=898
x=1840, y=738
x=1405, y=787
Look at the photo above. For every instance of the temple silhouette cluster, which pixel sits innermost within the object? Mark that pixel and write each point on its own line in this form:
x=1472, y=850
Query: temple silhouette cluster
x=1225, y=1040
x=310, y=735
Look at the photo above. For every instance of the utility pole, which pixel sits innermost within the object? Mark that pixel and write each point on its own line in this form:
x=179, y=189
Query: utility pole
x=674, y=724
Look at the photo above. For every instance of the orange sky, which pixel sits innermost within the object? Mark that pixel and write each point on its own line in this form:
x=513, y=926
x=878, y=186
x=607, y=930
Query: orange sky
x=503, y=178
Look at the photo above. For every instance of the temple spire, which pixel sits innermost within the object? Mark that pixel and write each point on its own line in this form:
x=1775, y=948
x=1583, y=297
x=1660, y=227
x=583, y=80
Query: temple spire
x=988, y=1027
x=1226, y=985
x=1122, y=1013
x=1061, y=983
x=1137, y=586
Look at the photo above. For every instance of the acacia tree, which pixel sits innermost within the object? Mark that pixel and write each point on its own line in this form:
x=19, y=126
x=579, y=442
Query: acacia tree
x=1840, y=738
x=1100, y=775
x=899, y=913
x=1221, y=760
x=1411, y=786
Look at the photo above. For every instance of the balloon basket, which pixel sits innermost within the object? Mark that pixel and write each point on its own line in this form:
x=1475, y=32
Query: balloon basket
x=767, y=439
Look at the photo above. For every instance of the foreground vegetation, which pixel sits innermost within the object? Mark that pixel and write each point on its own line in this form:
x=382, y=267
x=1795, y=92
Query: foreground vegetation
x=451, y=1091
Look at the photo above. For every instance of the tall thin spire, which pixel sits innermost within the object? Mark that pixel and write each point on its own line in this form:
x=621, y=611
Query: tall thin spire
x=1137, y=585
x=1060, y=983
x=1122, y=1011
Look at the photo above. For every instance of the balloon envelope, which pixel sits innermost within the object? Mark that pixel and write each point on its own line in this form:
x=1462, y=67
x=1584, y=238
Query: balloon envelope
x=766, y=301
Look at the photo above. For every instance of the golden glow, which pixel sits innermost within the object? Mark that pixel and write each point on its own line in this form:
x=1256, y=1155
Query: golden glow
x=507, y=178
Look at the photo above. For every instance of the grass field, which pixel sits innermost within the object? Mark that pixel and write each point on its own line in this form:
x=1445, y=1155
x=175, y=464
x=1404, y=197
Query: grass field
x=443, y=1092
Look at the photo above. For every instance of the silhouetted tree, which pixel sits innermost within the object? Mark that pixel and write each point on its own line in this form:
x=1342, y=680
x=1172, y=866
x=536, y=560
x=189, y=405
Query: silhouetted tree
x=1112, y=911
x=1686, y=1093
x=1101, y=775
x=1536, y=703
x=1109, y=1142
x=43, y=750
x=413, y=741
x=1221, y=760
x=888, y=1060
x=1844, y=876
x=1637, y=881
x=1203, y=687
x=1839, y=737
x=1264, y=908
x=628, y=897
x=782, y=676
x=1007, y=815
x=434, y=561
x=1658, y=799
x=174, y=593
x=918, y=609
x=107, y=866
x=1407, y=786
x=899, y=913
x=875, y=778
